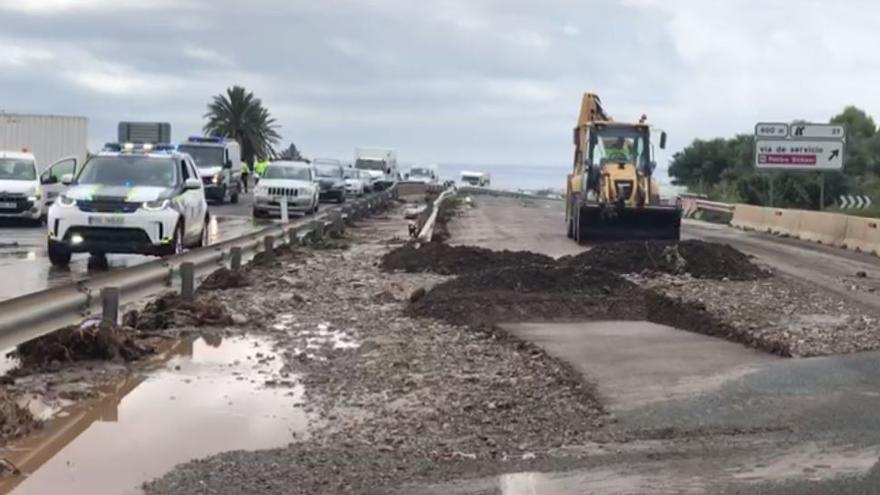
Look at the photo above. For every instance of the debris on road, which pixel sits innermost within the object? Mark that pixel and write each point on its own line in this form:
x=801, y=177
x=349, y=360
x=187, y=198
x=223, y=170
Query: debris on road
x=776, y=314
x=171, y=310
x=92, y=340
x=396, y=398
x=443, y=259
x=15, y=420
x=224, y=278
x=699, y=259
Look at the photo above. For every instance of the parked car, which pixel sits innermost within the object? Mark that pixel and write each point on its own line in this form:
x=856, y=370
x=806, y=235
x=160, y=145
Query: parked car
x=290, y=181
x=20, y=192
x=355, y=182
x=142, y=200
x=331, y=179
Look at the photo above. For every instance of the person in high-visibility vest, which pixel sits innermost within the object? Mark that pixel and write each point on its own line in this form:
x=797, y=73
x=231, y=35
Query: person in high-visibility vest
x=261, y=166
x=245, y=174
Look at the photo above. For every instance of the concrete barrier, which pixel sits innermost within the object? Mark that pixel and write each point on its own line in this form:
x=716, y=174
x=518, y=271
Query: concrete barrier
x=862, y=234
x=783, y=222
x=824, y=228
x=749, y=217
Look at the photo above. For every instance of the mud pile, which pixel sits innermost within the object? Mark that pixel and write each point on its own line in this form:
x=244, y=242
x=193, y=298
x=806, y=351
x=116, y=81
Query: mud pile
x=15, y=421
x=170, y=311
x=441, y=258
x=699, y=259
x=532, y=293
x=92, y=340
x=224, y=278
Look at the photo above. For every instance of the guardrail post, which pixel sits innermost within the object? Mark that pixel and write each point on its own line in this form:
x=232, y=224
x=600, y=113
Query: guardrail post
x=235, y=262
x=188, y=280
x=110, y=304
x=317, y=228
x=291, y=237
x=285, y=215
x=269, y=247
x=337, y=227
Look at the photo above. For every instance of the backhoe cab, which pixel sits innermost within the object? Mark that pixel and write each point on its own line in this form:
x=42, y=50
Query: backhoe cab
x=611, y=194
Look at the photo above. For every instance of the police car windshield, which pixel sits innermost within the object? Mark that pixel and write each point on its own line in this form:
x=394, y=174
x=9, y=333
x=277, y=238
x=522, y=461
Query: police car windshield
x=204, y=156
x=289, y=173
x=17, y=169
x=129, y=171
x=329, y=171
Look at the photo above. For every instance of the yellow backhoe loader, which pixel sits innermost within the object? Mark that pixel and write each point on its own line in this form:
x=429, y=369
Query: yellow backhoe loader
x=611, y=195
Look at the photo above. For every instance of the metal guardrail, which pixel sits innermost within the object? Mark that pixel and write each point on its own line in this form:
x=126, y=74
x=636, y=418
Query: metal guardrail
x=32, y=315
x=427, y=231
x=485, y=191
x=714, y=206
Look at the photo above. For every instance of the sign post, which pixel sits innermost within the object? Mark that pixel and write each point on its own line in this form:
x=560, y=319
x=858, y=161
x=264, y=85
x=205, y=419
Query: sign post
x=800, y=147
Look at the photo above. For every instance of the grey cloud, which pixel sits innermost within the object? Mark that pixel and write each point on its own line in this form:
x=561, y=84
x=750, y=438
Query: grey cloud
x=451, y=80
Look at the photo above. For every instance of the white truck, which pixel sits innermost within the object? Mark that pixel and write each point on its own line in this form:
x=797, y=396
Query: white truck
x=425, y=174
x=55, y=145
x=382, y=160
x=478, y=179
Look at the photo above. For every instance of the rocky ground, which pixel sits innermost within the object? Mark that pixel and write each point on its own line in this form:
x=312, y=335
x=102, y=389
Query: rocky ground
x=777, y=314
x=395, y=398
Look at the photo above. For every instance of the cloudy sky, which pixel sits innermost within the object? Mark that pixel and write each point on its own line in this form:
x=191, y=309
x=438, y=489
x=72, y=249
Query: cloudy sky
x=464, y=81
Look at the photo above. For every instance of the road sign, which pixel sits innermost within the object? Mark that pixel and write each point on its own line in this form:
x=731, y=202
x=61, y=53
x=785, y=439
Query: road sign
x=771, y=130
x=855, y=201
x=792, y=154
x=817, y=131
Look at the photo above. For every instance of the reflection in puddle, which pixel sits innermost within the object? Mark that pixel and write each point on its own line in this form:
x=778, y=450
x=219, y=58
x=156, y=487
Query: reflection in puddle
x=207, y=399
x=314, y=337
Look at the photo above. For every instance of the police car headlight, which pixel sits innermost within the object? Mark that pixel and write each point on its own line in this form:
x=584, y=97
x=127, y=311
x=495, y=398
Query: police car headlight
x=158, y=205
x=65, y=202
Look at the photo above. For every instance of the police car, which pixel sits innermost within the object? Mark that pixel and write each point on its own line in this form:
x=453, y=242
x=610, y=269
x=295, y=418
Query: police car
x=128, y=199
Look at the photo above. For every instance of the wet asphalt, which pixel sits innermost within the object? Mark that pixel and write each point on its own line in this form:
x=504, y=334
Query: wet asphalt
x=24, y=262
x=786, y=426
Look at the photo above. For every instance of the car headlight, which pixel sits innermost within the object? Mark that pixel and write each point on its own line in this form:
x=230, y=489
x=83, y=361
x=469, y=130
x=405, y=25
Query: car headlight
x=218, y=178
x=65, y=201
x=158, y=205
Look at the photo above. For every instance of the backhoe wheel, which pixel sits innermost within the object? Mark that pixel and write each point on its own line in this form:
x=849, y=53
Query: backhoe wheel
x=570, y=227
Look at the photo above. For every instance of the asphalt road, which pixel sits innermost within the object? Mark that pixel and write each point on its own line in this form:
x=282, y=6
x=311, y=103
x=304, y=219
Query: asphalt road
x=714, y=417
x=25, y=267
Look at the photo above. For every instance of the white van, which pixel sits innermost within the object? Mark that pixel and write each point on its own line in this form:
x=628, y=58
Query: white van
x=20, y=193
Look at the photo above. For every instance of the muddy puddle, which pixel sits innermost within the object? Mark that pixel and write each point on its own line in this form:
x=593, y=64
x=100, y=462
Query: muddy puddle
x=209, y=396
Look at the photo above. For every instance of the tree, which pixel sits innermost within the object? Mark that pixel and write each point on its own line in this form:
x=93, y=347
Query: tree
x=292, y=153
x=240, y=115
x=860, y=129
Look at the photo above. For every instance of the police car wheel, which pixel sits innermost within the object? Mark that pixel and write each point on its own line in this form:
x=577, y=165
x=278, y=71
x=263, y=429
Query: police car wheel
x=177, y=241
x=59, y=254
x=203, y=239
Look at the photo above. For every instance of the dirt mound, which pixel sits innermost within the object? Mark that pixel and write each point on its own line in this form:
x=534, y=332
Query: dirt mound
x=532, y=293
x=444, y=259
x=224, y=278
x=170, y=311
x=15, y=421
x=92, y=340
x=698, y=258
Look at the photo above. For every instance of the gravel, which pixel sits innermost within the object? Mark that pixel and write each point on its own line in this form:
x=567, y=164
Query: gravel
x=393, y=398
x=776, y=314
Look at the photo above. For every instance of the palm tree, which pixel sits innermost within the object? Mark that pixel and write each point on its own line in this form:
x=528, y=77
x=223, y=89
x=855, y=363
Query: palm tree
x=240, y=115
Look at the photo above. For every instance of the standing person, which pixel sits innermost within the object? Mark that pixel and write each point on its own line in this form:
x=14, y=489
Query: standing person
x=245, y=174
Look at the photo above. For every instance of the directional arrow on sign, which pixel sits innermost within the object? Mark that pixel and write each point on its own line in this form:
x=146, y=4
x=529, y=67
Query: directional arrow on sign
x=856, y=201
x=834, y=154
x=799, y=130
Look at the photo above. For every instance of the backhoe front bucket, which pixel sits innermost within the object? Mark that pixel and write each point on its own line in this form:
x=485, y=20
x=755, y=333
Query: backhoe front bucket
x=608, y=224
